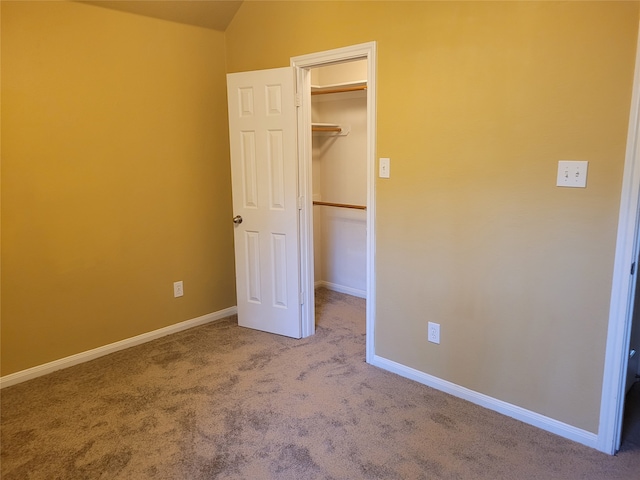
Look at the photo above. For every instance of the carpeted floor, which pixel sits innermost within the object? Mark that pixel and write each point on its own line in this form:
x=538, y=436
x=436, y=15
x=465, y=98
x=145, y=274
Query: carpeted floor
x=223, y=402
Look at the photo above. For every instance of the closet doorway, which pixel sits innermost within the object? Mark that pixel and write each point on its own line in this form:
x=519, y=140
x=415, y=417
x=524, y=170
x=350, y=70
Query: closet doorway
x=339, y=176
x=336, y=141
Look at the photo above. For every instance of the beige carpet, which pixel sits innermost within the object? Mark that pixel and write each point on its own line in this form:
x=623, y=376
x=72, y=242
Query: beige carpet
x=223, y=402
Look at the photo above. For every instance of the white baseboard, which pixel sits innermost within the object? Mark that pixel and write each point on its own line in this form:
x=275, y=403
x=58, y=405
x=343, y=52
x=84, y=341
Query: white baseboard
x=540, y=421
x=341, y=288
x=38, y=371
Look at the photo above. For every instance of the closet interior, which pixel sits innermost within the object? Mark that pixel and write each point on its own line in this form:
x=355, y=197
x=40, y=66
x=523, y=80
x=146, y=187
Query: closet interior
x=339, y=172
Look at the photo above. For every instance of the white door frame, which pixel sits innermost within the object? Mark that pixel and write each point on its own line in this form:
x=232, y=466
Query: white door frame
x=302, y=66
x=623, y=285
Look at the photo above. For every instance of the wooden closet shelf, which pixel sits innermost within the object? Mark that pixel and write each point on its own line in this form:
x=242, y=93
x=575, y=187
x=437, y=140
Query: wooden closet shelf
x=340, y=205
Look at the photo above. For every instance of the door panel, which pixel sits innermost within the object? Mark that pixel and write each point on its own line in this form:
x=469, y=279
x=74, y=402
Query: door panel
x=262, y=132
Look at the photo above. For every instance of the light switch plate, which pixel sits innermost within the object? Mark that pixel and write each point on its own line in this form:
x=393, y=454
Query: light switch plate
x=572, y=173
x=384, y=167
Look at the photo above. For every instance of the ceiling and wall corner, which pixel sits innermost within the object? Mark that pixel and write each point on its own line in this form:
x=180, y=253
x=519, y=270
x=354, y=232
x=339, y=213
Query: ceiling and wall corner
x=212, y=14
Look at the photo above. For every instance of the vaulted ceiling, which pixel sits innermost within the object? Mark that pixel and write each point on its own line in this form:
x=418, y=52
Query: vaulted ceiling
x=213, y=14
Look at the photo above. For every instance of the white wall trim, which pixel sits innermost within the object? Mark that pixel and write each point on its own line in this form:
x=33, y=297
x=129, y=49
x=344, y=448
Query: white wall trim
x=623, y=285
x=356, y=292
x=92, y=354
x=527, y=416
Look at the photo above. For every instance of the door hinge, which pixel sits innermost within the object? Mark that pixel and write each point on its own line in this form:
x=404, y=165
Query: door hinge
x=633, y=268
x=298, y=100
x=301, y=298
x=300, y=203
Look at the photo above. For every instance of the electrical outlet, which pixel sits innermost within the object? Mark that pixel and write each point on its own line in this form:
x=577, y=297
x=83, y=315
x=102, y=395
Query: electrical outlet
x=178, y=291
x=434, y=332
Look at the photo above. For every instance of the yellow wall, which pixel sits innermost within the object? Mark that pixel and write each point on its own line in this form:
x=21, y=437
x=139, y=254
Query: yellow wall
x=477, y=102
x=115, y=178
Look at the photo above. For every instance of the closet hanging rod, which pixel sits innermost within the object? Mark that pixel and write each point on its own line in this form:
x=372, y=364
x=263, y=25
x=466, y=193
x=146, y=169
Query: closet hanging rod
x=340, y=205
x=354, y=88
x=325, y=128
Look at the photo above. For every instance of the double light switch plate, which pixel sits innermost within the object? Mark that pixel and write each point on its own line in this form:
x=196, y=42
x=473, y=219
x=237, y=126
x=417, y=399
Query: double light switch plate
x=572, y=173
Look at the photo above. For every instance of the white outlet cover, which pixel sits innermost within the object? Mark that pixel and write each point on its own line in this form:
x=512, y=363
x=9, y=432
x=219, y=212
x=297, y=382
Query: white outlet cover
x=433, y=333
x=572, y=173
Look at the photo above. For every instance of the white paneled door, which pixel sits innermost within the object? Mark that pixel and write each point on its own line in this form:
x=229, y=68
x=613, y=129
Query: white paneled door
x=262, y=132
